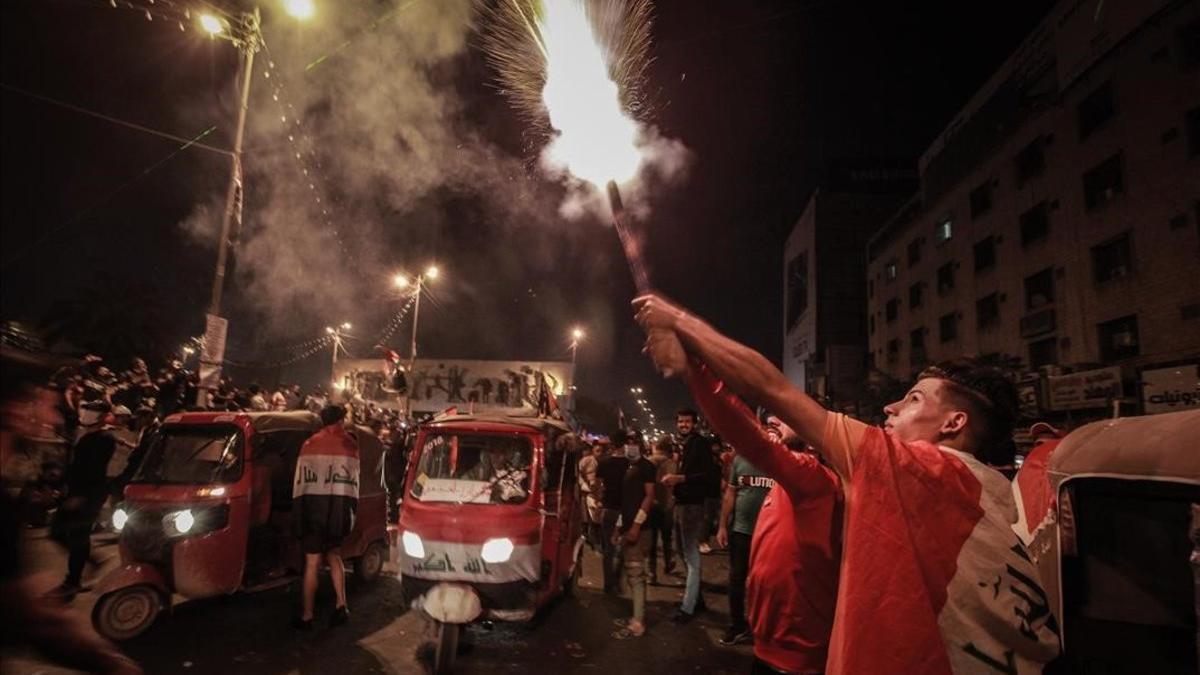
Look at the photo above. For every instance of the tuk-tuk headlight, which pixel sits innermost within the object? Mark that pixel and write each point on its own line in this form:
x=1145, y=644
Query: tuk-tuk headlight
x=195, y=521
x=497, y=550
x=119, y=517
x=179, y=522
x=412, y=544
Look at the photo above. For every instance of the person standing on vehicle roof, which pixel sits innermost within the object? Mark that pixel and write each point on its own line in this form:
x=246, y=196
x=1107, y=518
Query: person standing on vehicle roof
x=325, y=494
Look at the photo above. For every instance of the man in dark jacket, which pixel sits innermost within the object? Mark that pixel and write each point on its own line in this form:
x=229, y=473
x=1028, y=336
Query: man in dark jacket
x=87, y=490
x=699, y=478
x=325, y=498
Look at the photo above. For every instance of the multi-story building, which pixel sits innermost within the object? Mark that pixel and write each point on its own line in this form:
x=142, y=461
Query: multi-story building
x=1058, y=216
x=824, y=299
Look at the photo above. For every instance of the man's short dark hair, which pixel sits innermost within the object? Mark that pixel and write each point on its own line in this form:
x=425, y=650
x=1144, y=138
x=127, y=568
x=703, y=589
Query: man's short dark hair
x=332, y=414
x=990, y=399
x=687, y=412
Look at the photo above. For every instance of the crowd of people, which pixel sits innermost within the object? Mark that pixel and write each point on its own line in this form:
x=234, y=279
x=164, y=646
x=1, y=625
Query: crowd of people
x=838, y=533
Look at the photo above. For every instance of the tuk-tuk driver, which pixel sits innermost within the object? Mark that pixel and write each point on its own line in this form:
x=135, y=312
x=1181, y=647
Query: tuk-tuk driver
x=499, y=461
x=928, y=544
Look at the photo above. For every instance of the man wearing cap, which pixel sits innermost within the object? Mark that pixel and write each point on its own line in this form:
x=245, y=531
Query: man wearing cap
x=933, y=578
x=325, y=499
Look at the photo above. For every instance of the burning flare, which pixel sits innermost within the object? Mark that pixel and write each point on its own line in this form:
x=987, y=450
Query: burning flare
x=574, y=69
x=596, y=140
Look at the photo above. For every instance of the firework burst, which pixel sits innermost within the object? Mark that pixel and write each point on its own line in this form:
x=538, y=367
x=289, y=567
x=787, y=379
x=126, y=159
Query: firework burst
x=515, y=42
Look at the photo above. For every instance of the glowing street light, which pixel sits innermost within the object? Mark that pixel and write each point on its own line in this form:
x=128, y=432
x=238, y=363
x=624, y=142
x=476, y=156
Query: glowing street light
x=432, y=272
x=211, y=24
x=300, y=9
x=400, y=281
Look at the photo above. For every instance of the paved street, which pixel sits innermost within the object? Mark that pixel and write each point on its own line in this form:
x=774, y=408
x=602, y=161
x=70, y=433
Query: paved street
x=250, y=633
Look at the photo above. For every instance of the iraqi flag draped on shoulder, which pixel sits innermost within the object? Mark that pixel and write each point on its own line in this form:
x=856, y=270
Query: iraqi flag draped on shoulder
x=325, y=488
x=934, y=578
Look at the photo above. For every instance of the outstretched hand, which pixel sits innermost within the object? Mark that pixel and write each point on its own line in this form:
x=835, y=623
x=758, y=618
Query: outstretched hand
x=666, y=351
x=654, y=311
x=658, y=317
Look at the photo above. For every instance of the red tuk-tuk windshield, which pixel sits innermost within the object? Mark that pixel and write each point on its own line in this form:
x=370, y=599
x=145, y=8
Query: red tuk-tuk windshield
x=473, y=468
x=194, y=454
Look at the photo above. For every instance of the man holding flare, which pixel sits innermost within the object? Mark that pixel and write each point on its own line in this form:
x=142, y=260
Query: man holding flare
x=933, y=578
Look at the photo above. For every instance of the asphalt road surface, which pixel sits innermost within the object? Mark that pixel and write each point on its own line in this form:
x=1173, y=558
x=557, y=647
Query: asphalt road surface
x=250, y=634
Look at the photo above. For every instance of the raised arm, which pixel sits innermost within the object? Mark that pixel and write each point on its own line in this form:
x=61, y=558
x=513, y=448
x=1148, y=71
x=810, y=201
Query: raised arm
x=801, y=477
x=743, y=370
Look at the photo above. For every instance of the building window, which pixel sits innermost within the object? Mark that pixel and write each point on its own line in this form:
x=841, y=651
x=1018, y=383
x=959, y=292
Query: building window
x=1118, y=339
x=1113, y=259
x=893, y=350
x=948, y=327
x=1035, y=224
x=870, y=288
x=987, y=311
x=1096, y=109
x=1031, y=160
x=892, y=310
x=1039, y=289
x=914, y=295
x=1103, y=182
x=944, y=230
x=916, y=347
x=981, y=199
x=871, y=321
x=891, y=270
x=945, y=278
x=1193, y=131
x=1043, y=352
x=914, y=251
x=985, y=254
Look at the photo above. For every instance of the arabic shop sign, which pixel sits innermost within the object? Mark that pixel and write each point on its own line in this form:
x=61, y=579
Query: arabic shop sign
x=1171, y=389
x=1085, y=389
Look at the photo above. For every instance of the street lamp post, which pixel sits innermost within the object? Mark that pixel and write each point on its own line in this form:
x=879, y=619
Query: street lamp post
x=402, y=281
x=247, y=44
x=247, y=37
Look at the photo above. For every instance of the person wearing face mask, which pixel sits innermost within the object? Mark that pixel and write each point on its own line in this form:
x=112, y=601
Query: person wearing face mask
x=610, y=471
x=631, y=536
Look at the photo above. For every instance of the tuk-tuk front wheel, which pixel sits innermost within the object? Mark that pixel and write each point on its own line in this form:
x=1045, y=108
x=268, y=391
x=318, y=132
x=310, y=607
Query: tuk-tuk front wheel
x=127, y=613
x=369, y=565
x=446, y=646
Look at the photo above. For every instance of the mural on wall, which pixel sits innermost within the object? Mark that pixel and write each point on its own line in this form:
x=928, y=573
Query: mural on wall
x=436, y=384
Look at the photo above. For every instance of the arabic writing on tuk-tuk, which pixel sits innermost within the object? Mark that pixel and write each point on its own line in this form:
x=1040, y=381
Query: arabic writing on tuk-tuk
x=442, y=563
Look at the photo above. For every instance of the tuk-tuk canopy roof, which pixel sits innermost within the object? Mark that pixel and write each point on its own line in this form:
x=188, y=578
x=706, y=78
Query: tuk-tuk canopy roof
x=296, y=420
x=542, y=424
x=1163, y=446
x=262, y=422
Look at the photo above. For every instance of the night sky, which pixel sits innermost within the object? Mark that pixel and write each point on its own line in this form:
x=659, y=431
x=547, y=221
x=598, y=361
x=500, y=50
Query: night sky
x=763, y=94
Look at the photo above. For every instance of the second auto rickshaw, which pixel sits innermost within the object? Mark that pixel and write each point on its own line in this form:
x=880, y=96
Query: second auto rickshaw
x=208, y=513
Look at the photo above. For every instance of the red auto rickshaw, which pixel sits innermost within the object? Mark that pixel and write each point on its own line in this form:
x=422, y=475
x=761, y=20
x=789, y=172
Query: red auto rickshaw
x=1111, y=516
x=208, y=513
x=490, y=523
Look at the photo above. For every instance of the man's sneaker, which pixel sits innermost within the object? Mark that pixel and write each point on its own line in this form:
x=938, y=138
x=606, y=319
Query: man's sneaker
x=737, y=635
x=705, y=549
